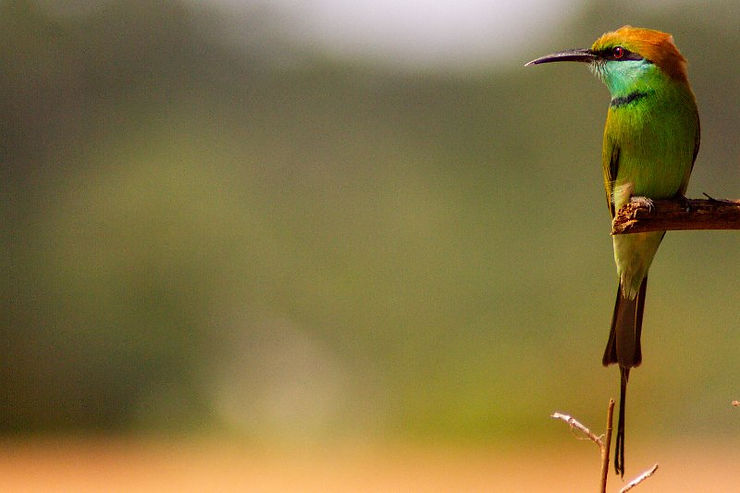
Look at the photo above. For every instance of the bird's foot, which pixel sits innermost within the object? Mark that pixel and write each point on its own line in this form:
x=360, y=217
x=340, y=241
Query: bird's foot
x=643, y=202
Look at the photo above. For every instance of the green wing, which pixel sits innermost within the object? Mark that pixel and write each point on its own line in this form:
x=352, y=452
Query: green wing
x=610, y=163
x=697, y=142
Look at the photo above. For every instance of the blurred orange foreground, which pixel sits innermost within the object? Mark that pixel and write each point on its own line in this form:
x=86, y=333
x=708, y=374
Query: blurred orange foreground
x=110, y=465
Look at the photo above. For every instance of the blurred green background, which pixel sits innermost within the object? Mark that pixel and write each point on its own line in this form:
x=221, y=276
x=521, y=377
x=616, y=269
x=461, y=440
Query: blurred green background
x=213, y=226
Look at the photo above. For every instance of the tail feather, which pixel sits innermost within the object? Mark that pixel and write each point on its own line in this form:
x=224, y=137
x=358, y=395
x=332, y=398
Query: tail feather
x=619, y=445
x=623, y=348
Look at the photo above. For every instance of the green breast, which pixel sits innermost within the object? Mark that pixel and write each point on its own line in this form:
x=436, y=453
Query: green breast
x=656, y=133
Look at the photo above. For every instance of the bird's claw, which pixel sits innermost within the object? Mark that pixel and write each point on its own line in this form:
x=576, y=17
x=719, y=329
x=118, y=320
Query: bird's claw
x=644, y=202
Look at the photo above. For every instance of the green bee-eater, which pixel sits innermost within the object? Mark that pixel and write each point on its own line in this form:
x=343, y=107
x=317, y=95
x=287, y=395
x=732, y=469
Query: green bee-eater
x=650, y=143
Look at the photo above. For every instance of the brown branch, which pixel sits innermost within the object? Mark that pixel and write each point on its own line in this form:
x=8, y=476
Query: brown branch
x=607, y=445
x=641, y=215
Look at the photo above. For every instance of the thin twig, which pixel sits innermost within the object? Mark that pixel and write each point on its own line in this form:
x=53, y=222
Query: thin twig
x=640, y=215
x=639, y=479
x=574, y=423
x=606, y=446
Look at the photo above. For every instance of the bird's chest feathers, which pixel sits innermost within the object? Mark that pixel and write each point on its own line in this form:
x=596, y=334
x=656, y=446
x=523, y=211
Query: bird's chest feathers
x=654, y=147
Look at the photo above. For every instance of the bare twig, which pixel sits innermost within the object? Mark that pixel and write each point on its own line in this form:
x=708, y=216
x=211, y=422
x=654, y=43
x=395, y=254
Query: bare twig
x=604, y=445
x=640, y=215
x=639, y=479
x=575, y=424
x=607, y=445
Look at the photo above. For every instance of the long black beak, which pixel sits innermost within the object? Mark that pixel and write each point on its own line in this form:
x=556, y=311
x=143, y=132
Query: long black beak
x=577, y=55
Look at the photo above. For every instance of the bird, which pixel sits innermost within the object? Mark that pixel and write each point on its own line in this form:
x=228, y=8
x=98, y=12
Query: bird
x=651, y=140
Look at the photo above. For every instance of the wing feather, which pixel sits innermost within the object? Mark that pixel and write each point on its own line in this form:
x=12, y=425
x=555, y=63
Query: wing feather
x=610, y=160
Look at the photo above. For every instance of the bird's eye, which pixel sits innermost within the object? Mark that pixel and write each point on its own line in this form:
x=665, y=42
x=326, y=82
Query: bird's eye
x=618, y=52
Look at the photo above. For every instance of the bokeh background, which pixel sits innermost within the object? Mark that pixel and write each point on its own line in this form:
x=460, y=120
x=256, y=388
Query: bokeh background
x=344, y=222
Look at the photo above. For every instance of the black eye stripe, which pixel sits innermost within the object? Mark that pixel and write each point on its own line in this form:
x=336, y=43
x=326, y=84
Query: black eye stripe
x=608, y=54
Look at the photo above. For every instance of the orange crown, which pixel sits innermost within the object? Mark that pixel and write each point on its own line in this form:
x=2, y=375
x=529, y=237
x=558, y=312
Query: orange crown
x=656, y=46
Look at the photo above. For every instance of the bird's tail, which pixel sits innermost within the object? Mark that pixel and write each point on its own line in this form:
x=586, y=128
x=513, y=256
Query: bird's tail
x=624, y=349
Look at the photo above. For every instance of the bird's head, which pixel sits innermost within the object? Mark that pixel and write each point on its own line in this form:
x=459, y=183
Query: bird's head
x=628, y=58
